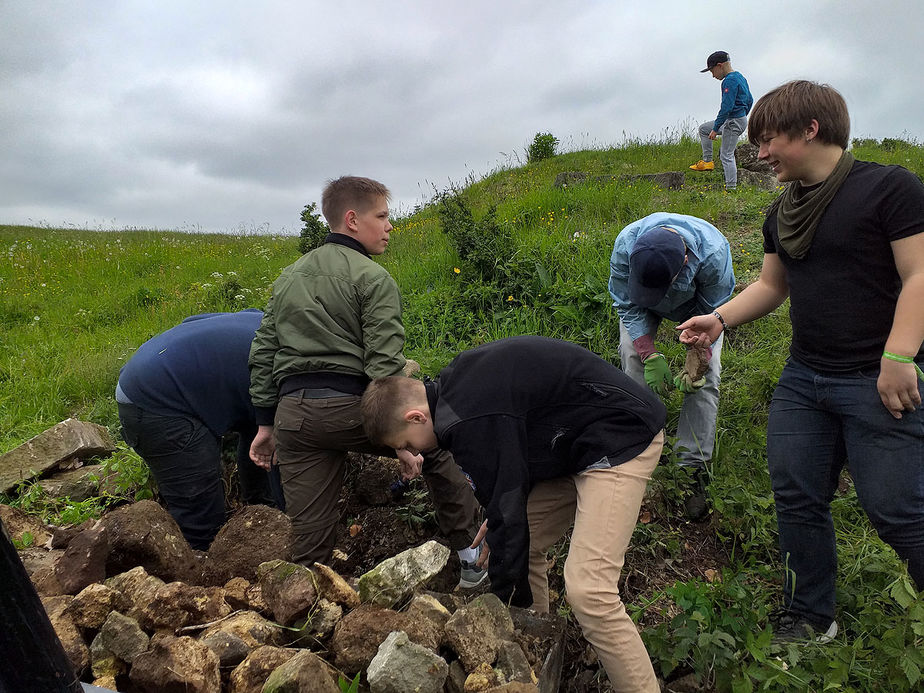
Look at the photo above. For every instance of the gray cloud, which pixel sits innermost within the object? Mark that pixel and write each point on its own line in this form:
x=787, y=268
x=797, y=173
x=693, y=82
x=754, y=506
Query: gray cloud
x=225, y=116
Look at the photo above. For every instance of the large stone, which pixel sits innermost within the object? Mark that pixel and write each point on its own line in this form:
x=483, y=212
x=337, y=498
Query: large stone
x=334, y=588
x=134, y=588
x=358, y=635
x=70, y=438
x=250, y=627
x=84, y=559
x=122, y=637
x=288, y=589
x=250, y=675
x=254, y=535
x=90, y=608
x=144, y=534
x=746, y=154
x=395, y=578
x=231, y=650
x=176, y=665
x=428, y=607
x=177, y=604
x=669, y=180
x=765, y=181
x=476, y=630
x=241, y=594
x=76, y=484
x=303, y=672
x=513, y=664
x=400, y=665
x=74, y=646
x=24, y=529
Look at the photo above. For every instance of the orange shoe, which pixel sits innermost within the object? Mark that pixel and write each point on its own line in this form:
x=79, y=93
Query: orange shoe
x=703, y=166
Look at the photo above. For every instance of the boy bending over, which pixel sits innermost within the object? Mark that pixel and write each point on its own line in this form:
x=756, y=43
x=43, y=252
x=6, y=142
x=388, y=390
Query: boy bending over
x=551, y=435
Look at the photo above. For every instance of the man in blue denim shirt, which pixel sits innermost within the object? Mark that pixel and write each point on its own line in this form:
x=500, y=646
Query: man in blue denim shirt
x=672, y=266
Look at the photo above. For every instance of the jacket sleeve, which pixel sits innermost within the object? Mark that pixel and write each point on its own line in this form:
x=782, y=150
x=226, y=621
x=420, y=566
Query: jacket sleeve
x=492, y=450
x=383, y=331
x=263, y=391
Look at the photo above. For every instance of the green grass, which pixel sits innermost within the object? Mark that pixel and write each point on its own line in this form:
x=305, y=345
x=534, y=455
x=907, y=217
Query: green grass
x=75, y=304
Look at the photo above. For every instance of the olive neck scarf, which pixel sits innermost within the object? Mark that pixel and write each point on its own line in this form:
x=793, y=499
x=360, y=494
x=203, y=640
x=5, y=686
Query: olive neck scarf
x=800, y=208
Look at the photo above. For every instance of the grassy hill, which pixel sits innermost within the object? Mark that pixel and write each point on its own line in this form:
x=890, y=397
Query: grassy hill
x=508, y=254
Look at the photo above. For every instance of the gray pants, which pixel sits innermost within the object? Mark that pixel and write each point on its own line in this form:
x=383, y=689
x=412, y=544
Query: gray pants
x=696, y=428
x=730, y=131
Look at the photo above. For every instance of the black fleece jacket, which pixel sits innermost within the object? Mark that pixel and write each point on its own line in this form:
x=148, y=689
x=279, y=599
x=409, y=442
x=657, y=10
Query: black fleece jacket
x=525, y=409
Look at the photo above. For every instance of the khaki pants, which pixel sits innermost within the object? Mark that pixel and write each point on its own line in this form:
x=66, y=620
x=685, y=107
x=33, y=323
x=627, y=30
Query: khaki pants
x=603, y=504
x=313, y=437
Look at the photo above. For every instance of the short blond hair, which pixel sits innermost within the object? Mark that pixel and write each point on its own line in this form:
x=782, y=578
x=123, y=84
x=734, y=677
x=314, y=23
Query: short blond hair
x=384, y=404
x=350, y=192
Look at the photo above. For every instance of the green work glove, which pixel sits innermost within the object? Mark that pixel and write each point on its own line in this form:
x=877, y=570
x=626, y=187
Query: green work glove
x=658, y=373
x=686, y=384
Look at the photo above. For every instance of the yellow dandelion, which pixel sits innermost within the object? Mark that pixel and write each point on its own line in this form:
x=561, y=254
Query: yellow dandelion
x=510, y=298
x=456, y=270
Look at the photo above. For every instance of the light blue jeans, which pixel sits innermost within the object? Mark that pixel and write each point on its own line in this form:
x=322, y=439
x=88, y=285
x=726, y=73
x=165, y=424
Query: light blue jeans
x=730, y=131
x=696, y=427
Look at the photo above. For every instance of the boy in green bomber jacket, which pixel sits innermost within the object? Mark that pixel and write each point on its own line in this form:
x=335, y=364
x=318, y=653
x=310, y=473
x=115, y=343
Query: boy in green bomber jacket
x=333, y=322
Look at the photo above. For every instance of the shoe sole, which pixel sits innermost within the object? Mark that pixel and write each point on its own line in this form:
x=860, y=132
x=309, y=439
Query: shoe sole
x=468, y=584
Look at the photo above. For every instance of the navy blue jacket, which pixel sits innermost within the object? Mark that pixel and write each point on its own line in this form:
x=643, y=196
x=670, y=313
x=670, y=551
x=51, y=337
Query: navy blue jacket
x=198, y=369
x=526, y=409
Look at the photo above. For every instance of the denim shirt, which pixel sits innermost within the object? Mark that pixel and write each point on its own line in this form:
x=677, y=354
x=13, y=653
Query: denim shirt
x=705, y=282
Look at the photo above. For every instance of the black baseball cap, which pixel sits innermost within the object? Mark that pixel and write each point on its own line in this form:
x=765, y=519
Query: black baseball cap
x=715, y=59
x=655, y=260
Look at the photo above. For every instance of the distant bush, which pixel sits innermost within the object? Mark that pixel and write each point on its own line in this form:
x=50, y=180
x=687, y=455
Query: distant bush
x=543, y=147
x=314, y=231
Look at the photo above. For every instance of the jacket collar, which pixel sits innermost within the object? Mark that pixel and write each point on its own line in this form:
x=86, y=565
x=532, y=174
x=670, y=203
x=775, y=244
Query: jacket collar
x=348, y=241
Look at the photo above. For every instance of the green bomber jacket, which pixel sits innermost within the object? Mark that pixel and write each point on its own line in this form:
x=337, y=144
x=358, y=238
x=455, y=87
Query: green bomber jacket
x=334, y=316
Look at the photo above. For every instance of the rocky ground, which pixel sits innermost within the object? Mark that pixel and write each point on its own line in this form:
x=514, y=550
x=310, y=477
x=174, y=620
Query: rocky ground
x=131, y=601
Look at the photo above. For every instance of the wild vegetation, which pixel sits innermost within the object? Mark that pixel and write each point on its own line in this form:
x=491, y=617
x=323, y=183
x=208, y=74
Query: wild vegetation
x=504, y=255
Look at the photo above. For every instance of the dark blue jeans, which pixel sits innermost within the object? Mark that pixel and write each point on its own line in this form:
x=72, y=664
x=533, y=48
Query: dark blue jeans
x=818, y=423
x=185, y=458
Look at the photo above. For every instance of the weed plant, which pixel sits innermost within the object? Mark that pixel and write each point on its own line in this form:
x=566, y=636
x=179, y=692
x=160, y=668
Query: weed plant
x=505, y=255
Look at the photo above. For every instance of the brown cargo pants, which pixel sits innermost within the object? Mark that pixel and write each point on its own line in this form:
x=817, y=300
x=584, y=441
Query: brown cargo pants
x=313, y=437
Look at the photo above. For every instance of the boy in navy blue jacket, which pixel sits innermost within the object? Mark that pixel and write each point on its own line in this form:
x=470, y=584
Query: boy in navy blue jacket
x=178, y=395
x=731, y=121
x=550, y=435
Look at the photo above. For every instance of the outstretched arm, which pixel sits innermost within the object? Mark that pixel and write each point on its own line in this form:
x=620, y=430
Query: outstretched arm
x=762, y=297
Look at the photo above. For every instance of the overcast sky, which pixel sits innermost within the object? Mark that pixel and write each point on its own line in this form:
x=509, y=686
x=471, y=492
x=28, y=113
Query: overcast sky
x=231, y=116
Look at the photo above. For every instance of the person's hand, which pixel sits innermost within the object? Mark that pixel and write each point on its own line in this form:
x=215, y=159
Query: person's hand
x=411, y=463
x=898, y=387
x=700, y=330
x=263, y=447
x=713, y=135
x=658, y=373
x=479, y=540
x=685, y=383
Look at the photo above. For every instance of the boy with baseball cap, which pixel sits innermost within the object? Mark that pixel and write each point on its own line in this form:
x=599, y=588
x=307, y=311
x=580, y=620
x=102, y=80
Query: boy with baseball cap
x=673, y=266
x=731, y=121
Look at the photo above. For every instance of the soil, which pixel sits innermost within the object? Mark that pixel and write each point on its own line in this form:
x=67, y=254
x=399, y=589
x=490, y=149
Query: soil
x=370, y=533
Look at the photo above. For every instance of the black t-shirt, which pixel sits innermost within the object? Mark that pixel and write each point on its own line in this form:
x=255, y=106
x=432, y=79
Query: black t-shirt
x=843, y=292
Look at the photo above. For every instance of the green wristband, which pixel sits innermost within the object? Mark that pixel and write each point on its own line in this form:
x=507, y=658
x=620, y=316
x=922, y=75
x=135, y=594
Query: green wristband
x=903, y=359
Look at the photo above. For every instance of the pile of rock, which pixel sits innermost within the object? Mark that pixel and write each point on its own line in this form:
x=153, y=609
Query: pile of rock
x=137, y=610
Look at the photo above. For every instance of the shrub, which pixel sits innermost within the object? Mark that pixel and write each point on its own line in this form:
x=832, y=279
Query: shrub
x=543, y=147
x=314, y=231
